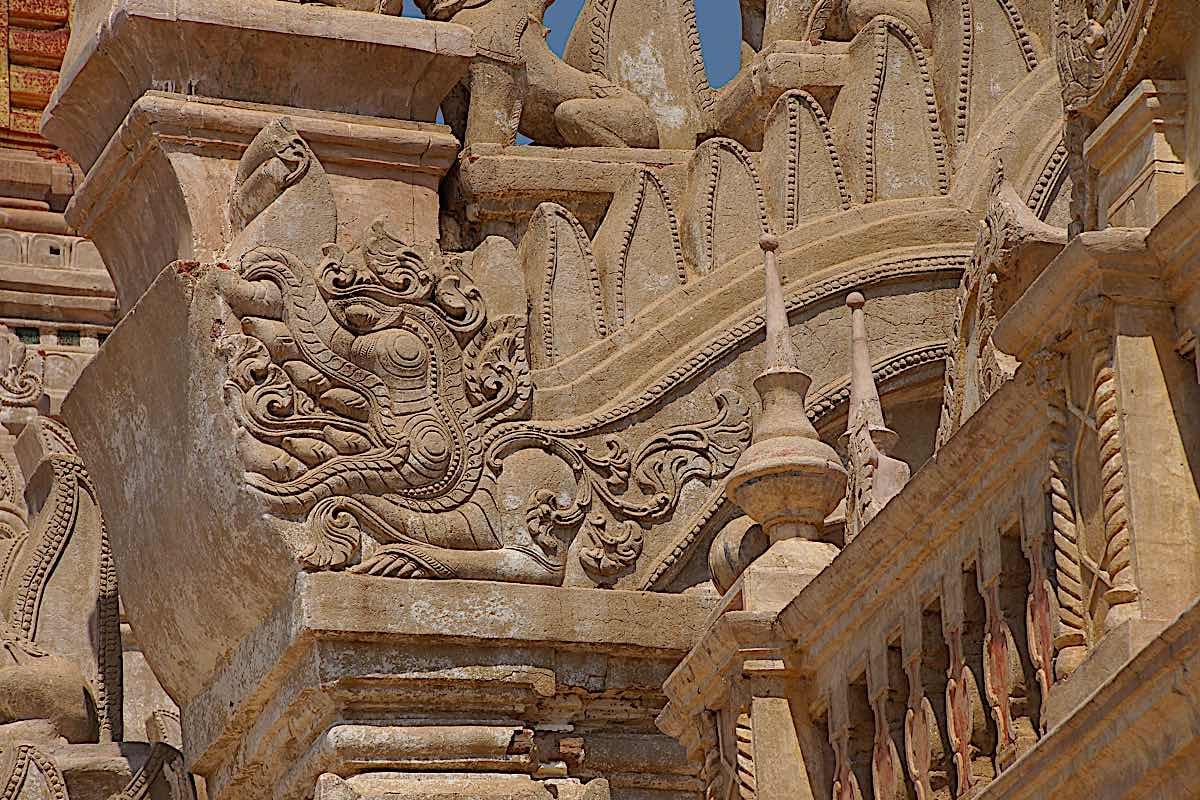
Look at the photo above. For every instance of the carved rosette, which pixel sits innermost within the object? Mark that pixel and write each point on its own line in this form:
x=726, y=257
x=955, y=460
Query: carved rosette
x=845, y=783
x=963, y=711
x=920, y=735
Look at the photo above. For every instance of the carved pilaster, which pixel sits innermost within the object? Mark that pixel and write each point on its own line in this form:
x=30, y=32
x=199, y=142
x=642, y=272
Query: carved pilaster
x=1117, y=559
x=1070, y=623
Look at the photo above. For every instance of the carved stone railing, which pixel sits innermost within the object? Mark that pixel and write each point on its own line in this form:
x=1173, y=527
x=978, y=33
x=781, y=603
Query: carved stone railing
x=1049, y=540
x=923, y=656
x=928, y=649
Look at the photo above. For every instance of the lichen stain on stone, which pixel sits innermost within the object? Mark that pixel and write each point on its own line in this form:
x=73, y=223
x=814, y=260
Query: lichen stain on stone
x=646, y=75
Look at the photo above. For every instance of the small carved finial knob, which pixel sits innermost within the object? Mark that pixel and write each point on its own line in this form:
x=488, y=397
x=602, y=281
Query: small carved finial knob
x=769, y=242
x=855, y=300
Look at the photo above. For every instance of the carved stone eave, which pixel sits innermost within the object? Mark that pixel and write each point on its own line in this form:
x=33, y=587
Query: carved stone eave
x=170, y=146
x=1115, y=262
x=120, y=49
x=910, y=237
x=1145, y=38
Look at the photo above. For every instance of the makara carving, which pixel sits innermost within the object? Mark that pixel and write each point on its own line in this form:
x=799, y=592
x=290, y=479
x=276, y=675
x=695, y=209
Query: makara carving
x=376, y=399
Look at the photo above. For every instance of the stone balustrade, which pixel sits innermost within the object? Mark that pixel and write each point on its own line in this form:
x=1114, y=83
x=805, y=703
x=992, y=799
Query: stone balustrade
x=1047, y=544
x=926, y=655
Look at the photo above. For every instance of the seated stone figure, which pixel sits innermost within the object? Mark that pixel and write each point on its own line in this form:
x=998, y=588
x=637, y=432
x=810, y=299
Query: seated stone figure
x=517, y=84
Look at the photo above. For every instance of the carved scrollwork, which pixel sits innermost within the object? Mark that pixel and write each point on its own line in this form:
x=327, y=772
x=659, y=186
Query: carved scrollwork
x=370, y=390
x=613, y=548
x=659, y=468
x=20, y=372
x=1096, y=43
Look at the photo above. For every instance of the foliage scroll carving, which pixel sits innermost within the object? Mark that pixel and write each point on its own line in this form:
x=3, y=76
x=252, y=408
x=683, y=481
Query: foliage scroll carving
x=377, y=401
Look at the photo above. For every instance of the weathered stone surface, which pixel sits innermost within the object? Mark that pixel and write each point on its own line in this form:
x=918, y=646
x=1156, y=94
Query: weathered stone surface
x=430, y=462
x=653, y=50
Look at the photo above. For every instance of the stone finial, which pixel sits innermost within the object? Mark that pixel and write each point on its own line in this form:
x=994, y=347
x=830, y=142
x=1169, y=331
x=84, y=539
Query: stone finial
x=875, y=477
x=788, y=480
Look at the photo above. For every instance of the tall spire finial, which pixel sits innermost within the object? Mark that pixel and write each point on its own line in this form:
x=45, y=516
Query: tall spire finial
x=781, y=351
x=875, y=477
x=788, y=480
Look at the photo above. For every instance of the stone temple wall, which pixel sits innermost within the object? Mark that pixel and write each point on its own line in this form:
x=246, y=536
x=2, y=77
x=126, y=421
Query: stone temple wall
x=832, y=433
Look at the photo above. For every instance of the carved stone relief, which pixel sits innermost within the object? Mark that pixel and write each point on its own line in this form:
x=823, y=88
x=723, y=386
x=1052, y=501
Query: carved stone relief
x=725, y=210
x=802, y=173
x=890, y=150
x=377, y=400
x=1012, y=248
x=652, y=48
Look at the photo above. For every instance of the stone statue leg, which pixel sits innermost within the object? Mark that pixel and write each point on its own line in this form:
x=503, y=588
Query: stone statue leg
x=606, y=122
x=496, y=89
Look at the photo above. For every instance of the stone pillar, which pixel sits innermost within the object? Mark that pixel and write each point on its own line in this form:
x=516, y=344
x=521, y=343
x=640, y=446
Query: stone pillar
x=788, y=481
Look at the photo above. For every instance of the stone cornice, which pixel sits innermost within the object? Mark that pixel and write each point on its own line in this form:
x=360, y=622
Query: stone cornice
x=512, y=642
x=706, y=678
x=1114, y=262
x=129, y=47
